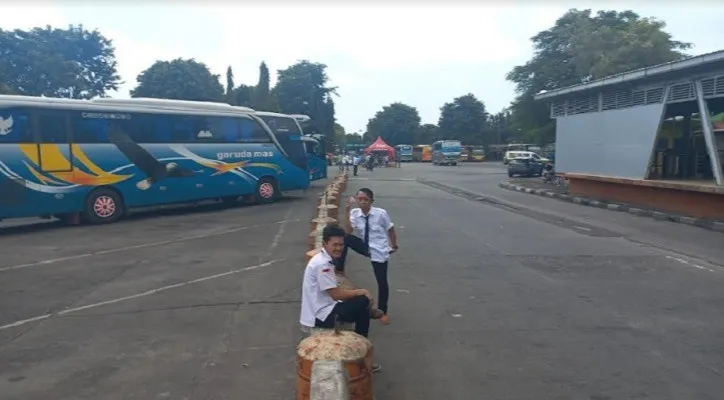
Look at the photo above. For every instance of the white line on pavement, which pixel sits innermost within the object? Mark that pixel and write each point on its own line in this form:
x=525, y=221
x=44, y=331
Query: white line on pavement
x=138, y=246
x=138, y=295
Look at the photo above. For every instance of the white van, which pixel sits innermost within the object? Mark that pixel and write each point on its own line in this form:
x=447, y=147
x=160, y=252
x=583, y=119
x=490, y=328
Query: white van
x=509, y=155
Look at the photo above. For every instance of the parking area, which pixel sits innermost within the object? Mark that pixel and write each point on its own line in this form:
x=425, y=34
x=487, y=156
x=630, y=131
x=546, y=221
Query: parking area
x=197, y=302
x=494, y=295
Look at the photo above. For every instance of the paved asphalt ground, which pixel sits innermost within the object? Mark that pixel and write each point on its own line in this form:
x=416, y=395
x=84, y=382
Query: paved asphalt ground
x=495, y=295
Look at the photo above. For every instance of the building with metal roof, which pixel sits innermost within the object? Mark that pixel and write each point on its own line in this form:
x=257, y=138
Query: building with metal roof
x=618, y=126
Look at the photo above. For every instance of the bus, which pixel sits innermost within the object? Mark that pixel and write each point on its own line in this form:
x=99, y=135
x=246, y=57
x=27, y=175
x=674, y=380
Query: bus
x=422, y=153
x=446, y=152
x=291, y=126
x=404, y=151
x=472, y=153
x=99, y=158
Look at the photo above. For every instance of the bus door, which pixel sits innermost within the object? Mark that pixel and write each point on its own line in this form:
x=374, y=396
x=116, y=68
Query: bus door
x=53, y=138
x=316, y=159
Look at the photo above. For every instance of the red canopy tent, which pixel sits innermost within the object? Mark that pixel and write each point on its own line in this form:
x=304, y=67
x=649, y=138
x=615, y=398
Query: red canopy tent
x=379, y=145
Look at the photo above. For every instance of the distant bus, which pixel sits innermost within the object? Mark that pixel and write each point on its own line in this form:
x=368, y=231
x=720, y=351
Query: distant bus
x=100, y=158
x=290, y=126
x=472, y=154
x=405, y=152
x=446, y=152
x=422, y=153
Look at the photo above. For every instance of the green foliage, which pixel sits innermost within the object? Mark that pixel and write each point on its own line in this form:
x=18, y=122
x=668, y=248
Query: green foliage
x=242, y=95
x=581, y=47
x=72, y=63
x=230, y=86
x=464, y=119
x=179, y=79
x=397, y=123
x=260, y=95
x=339, y=133
x=302, y=89
x=353, y=138
x=427, y=134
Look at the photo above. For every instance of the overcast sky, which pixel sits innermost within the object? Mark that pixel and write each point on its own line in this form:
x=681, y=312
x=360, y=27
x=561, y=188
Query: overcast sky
x=422, y=54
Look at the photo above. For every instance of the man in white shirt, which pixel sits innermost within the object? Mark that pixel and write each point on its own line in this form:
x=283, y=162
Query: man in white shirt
x=375, y=226
x=355, y=164
x=322, y=299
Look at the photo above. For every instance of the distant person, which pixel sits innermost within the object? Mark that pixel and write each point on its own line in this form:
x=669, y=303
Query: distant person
x=355, y=164
x=323, y=301
x=375, y=226
x=398, y=160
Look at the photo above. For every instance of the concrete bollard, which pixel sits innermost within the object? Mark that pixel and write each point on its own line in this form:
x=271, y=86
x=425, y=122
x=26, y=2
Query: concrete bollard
x=332, y=210
x=329, y=381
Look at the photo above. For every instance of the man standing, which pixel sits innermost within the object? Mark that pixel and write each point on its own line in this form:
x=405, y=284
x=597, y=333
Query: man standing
x=355, y=164
x=376, y=227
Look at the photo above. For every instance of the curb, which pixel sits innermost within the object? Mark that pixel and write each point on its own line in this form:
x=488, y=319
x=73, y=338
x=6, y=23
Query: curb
x=716, y=226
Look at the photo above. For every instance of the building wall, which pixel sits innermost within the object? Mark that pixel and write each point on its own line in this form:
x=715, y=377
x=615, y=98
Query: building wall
x=612, y=142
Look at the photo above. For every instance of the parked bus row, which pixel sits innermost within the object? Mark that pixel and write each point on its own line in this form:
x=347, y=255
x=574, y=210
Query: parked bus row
x=99, y=158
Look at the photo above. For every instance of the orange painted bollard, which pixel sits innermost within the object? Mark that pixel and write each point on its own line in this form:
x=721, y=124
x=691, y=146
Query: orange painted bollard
x=312, y=240
x=353, y=350
x=311, y=253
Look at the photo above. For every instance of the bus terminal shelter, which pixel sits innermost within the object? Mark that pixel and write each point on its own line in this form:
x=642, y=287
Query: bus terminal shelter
x=652, y=137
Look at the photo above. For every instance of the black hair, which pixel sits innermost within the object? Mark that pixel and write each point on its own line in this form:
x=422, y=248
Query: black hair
x=368, y=192
x=331, y=231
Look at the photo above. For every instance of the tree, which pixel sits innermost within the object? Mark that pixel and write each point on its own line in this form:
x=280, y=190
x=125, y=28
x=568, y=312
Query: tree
x=339, y=133
x=464, y=119
x=72, y=63
x=242, y=95
x=353, y=138
x=428, y=134
x=581, y=47
x=179, y=79
x=230, y=86
x=397, y=123
x=260, y=95
x=302, y=89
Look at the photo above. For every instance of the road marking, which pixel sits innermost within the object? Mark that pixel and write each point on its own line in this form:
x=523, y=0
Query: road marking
x=139, y=246
x=280, y=233
x=582, y=228
x=139, y=295
x=682, y=261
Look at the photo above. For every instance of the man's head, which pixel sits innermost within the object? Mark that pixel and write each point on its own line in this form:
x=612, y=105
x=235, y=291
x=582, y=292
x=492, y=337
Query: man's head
x=333, y=240
x=365, y=198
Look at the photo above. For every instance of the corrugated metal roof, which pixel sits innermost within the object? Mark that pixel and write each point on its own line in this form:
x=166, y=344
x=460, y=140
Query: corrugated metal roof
x=638, y=74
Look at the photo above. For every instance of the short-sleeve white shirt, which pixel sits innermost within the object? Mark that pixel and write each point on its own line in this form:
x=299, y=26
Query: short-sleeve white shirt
x=319, y=277
x=380, y=222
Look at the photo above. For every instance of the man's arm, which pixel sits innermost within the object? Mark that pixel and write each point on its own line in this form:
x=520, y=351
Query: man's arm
x=393, y=238
x=346, y=294
x=347, y=215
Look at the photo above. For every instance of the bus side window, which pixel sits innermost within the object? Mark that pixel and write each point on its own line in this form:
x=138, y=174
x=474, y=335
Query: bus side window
x=89, y=130
x=14, y=127
x=184, y=129
x=53, y=128
x=217, y=130
x=251, y=132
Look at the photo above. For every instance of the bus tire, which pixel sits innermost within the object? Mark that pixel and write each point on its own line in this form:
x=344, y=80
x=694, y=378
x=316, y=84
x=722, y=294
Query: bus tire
x=103, y=206
x=267, y=191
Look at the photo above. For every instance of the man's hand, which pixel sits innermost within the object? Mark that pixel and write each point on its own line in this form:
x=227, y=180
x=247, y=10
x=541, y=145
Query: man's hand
x=365, y=292
x=394, y=249
x=350, y=202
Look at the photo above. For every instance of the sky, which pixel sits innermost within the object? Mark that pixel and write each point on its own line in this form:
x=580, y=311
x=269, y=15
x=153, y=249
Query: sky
x=420, y=53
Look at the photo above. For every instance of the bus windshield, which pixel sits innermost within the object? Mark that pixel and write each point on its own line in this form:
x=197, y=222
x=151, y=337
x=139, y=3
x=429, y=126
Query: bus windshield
x=451, y=145
x=282, y=126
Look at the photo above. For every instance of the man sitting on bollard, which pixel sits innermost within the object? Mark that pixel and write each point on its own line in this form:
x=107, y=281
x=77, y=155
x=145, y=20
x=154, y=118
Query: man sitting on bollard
x=323, y=300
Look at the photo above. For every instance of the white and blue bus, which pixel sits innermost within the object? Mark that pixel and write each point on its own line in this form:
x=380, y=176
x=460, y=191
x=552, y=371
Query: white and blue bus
x=404, y=151
x=102, y=157
x=316, y=147
x=446, y=152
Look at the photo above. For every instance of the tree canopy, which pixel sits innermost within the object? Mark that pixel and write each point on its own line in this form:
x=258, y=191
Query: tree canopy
x=179, y=79
x=72, y=63
x=396, y=123
x=463, y=119
x=580, y=47
x=302, y=89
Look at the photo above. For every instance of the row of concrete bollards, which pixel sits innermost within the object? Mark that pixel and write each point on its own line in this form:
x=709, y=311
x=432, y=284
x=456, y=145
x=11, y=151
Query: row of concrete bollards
x=332, y=364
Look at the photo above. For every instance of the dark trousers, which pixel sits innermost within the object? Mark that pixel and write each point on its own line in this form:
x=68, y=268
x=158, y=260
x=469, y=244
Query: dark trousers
x=354, y=243
x=355, y=168
x=380, y=269
x=383, y=288
x=356, y=309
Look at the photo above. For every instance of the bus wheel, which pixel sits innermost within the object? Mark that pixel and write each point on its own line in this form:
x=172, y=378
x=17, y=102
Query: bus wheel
x=103, y=206
x=266, y=191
